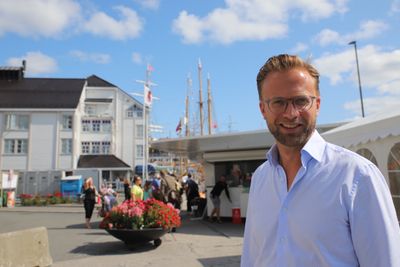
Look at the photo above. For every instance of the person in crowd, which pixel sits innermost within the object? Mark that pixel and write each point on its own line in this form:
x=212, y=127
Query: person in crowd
x=171, y=190
x=313, y=203
x=127, y=189
x=147, y=190
x=110, y=197
x=137, y=191
x=192, y=191
x=247, y=180
x=90, y=192
x=215, y=198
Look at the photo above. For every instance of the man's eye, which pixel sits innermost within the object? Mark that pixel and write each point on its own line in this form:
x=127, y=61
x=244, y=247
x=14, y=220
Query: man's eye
x=301, y=101
x=278, y=102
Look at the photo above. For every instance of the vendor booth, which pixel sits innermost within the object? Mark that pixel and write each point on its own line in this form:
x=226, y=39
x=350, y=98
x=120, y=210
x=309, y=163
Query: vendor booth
x=235, y=155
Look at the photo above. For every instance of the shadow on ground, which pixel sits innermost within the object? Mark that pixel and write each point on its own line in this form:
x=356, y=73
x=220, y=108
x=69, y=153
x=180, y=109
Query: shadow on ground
x=231, y=261
x=111, y=248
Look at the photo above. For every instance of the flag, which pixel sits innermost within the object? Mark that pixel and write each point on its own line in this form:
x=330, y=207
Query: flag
x=199, y=65
x=215, y=125
x=148, y=97
x=150, y=67
x=179, y=127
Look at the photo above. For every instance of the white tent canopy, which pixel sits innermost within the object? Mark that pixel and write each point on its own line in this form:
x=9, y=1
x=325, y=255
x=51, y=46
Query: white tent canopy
x=364, y=130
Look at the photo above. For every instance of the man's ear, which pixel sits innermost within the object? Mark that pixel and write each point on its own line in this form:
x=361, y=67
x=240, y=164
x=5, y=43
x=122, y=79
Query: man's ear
x=263, y=110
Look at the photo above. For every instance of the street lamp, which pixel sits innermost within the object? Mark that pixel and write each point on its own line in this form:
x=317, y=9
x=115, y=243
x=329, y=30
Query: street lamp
x=359, y=79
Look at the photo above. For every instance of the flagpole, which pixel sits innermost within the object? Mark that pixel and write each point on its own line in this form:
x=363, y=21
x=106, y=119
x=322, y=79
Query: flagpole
x=147, y=99
x=209, y=105
x=146, y=137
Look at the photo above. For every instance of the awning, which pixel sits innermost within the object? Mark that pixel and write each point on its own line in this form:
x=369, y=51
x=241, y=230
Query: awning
x=101, y=162
x=364, y=130
x=139, y=169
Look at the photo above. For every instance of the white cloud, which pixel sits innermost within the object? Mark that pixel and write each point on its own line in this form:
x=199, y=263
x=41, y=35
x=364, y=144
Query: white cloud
x=335, y=66
x=395, y=7
x=326, y=37
x=36, y=63
x=251, y=19
x=150, y=4
x=368, y=30
x=378, y=72
x=99, y=58
x=392, y=87
x=377, y=67
x=36, y=18
x=300, y=47
x=373, y=105
x=128, y=27
x=137, y=58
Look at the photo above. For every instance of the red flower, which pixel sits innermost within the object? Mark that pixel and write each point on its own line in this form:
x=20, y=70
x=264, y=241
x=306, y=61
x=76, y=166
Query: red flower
x=142, y=214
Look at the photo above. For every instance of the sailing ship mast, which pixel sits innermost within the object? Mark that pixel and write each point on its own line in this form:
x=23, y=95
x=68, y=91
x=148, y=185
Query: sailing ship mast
x=209, y=104
x=199, y=67
x=187, y=115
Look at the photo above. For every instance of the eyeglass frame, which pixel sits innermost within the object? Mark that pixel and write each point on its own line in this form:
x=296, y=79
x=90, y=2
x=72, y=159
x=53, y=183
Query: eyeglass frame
x=291, y=99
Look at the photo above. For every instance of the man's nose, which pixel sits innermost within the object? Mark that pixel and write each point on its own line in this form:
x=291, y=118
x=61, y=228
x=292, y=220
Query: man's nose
x=291, y=110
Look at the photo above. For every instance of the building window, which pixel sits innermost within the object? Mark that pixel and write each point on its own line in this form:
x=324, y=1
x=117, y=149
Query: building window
x=139, y=151
x=90, y=110
x=139, y=131
x=105, y=147
x=95, y=147
x=106, y=126
x=15, y=146
x=67, y=122
x=130, y=112
x=86, y=125
x=85, y=147
x=66, y=146
x=139, y=113
x=17, y=122
x=394, y=176
x=96, y=125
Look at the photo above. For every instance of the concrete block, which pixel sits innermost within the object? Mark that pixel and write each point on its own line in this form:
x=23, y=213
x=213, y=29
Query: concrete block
x=25, y=248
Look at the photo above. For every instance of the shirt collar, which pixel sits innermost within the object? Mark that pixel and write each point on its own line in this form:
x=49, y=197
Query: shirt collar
x=314, y=147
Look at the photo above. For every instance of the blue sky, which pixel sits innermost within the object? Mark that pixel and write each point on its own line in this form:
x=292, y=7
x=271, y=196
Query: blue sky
x=233, y=38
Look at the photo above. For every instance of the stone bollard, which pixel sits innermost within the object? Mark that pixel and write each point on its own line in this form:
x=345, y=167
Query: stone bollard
x=28, y=247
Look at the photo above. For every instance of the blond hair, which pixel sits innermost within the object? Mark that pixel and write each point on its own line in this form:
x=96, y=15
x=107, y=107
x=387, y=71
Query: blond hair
x=285, y=62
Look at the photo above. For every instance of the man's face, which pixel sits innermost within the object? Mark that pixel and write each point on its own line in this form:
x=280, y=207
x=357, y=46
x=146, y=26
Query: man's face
x=292, y=127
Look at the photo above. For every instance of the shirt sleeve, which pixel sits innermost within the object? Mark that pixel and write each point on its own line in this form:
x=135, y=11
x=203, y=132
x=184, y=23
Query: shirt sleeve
x=247, y=259
x=373, y=221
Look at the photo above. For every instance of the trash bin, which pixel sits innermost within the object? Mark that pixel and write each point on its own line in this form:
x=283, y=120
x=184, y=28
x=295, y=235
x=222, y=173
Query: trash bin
x=71, y=186
x=236, y=218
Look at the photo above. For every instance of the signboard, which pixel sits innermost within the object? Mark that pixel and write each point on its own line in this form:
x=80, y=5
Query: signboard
x=9, y=180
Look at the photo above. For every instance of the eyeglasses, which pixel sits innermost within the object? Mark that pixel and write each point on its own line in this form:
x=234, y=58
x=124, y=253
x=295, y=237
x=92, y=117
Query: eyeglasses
x=278, y=105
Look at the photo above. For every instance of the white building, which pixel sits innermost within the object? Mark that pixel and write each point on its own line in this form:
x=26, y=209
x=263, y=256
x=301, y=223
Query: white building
x=50, y=128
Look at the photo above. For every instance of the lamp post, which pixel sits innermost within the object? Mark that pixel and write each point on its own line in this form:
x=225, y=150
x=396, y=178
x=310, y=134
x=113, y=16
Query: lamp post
x=359, y=79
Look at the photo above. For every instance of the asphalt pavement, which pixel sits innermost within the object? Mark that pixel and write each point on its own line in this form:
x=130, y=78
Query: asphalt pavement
x=196, y=243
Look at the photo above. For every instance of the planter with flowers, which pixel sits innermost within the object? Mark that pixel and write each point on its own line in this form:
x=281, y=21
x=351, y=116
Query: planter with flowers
x=138, y=222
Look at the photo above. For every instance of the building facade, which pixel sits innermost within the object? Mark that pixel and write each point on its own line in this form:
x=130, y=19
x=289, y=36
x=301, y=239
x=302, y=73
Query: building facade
x=51, y=128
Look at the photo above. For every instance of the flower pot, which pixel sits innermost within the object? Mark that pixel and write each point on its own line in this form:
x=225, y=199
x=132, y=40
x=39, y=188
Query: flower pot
x=134, y=238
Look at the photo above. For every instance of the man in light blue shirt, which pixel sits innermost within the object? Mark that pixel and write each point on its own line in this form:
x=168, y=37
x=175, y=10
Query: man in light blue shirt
x=313, y=203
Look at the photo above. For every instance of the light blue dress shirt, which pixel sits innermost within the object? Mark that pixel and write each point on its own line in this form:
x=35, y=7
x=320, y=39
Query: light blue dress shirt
x=338, y=212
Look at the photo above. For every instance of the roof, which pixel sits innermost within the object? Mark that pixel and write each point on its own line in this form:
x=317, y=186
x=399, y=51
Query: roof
x=194, y=147
x=364, y=130
x=95, y=81
x=101, y=161
x=49, y=93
